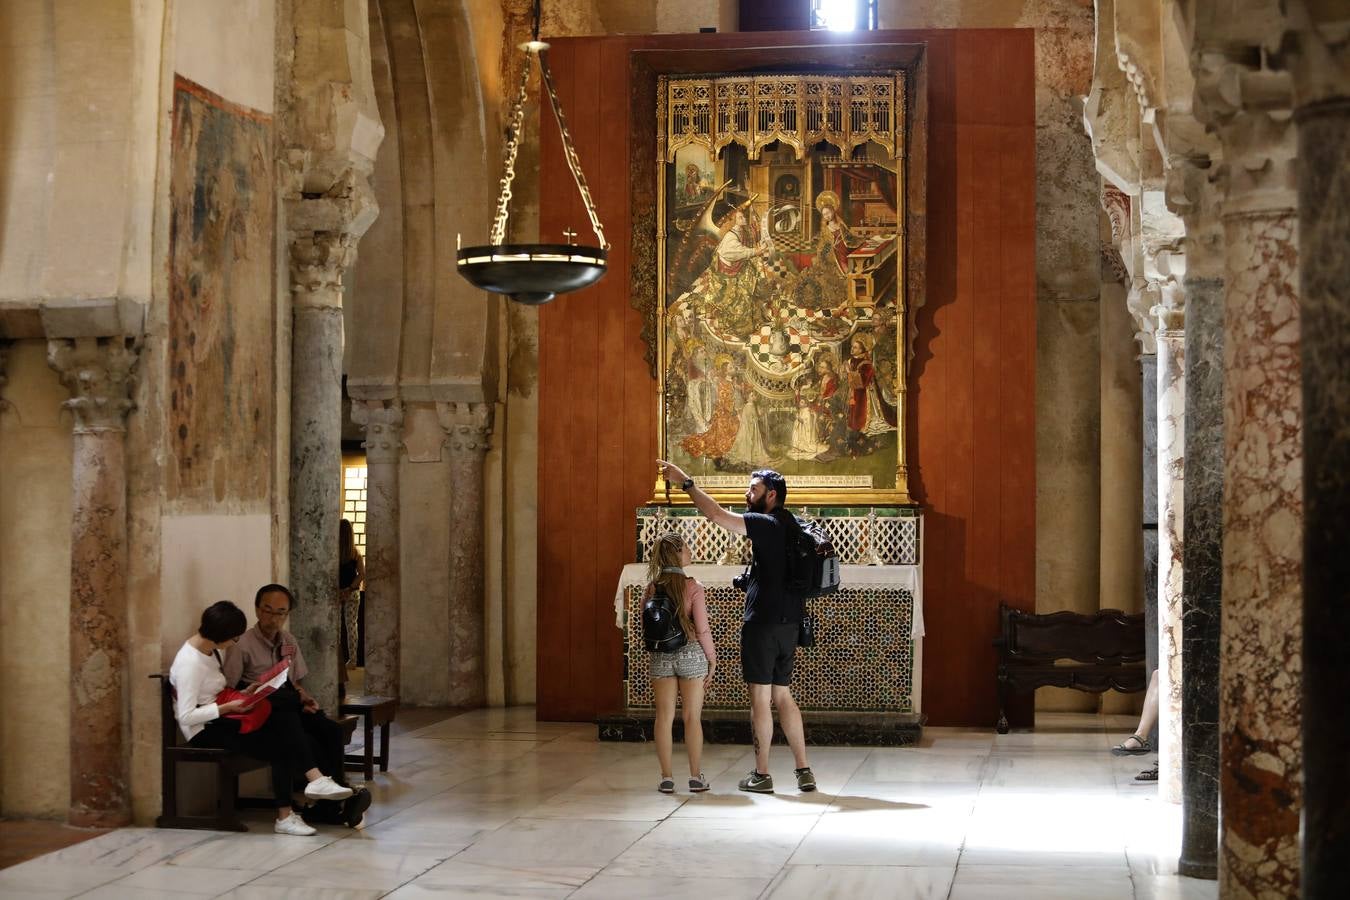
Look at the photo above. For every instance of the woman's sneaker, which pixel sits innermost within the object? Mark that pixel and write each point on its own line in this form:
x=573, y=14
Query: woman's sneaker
x=806, y=781
x=293, y=824
x=325, y=788
x=757, y=783
x=698, y=785
x=667, y=786
x=354, y=809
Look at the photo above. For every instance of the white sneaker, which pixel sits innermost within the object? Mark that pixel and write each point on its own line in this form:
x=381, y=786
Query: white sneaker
x=295, y=825
x=325, y=788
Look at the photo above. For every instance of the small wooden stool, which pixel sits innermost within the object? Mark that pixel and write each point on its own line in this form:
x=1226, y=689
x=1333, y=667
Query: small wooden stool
x=373, y=711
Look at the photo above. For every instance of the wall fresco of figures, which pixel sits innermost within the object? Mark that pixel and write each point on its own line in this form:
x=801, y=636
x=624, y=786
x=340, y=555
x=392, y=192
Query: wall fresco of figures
x=781, y=314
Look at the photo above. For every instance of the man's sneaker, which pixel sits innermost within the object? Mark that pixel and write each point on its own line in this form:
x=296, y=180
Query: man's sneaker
x=325, y=788
x=354, y=809
x=756, y=783
x=667, y=786
x=698, y=785
x=806, y=782
x=293, y=824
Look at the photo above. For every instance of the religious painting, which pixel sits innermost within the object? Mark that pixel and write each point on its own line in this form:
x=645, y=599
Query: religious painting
x=781, y=206
x=221, y=299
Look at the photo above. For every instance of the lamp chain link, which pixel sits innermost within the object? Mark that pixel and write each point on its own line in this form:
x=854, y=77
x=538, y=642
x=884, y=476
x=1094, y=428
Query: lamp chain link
x=573, y=162
x=509, y=157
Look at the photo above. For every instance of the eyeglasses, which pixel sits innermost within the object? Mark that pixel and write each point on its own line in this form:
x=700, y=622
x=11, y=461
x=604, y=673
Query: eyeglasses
x=279, y=613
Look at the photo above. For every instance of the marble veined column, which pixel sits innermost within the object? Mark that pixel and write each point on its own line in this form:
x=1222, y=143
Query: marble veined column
x=1171, y=461
x=1261, y=786
x=1322, y=85
x=467, y=426
x=100, y=375
x=383, y=425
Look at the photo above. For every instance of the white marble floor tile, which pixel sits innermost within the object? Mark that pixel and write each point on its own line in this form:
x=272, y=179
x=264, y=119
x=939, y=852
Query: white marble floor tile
x=40, y=878
x=1173, y=887
x=681, y=887
x=249, y=852
x=354, y=865
x=722, y=849
x=456, y=878
x=635, y=805
x=845, y=882
x=276, y=888
x=1042, y=882
x=912, y=838
x=127, y=847
x=181, y=881
x=554, y=843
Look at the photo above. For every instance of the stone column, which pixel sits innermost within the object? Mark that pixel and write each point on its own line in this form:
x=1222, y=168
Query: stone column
x=383, y=425
x=1171, y=413
x=1148, y=370
x=1321, y=67
x=317, y=263
x=1202, y=554
x=1261, y=790
x=99, y=373
x=467, y=427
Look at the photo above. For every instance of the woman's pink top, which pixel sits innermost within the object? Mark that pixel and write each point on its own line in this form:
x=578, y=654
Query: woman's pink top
x=696, y=605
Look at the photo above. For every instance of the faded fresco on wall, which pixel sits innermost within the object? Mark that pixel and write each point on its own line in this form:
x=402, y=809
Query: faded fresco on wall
x=781, y=305
x=221, y=299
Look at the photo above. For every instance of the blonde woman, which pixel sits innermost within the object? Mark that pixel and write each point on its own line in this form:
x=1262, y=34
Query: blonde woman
x=692, y=666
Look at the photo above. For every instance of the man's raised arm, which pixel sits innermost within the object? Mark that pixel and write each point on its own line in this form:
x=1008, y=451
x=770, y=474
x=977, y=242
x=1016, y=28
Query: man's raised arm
x=709, y=507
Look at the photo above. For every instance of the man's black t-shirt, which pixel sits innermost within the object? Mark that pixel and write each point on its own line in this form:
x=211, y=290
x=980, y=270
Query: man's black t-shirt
x=767, y=600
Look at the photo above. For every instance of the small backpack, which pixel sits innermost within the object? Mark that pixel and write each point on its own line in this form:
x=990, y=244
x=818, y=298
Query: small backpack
x=661, y=628
x=812, y=563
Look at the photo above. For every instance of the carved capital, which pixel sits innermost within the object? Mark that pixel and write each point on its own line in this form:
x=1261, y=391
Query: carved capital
x=1140, y=301
x=1171, y=321
x=100, y=374
x=318, y=262
x=467, y=426
x=1194, y=186
x=382, y=423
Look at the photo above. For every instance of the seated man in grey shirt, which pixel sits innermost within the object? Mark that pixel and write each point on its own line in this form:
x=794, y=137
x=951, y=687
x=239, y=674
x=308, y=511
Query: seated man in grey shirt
x=262, y=647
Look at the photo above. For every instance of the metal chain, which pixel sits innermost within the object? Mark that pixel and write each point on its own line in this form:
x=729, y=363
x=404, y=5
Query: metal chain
x=573, y=162
x=509, y=157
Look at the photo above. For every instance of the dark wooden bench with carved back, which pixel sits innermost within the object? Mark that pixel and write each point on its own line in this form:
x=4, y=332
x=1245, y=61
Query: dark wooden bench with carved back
x=1106, y=650
x=229, y=766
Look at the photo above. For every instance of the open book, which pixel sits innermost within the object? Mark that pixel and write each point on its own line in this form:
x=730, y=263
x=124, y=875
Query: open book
x=270, y=680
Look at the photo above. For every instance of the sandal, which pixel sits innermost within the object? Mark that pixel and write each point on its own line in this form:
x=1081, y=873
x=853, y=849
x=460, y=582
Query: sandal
x=1123, y=748
x=1147, y=775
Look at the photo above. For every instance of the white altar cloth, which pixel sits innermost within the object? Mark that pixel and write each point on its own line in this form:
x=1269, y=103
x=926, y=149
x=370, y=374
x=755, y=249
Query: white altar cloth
x=891, y=577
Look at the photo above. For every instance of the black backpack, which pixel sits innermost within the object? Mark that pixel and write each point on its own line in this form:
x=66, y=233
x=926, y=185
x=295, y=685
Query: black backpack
x=812, y=563
x=661, y=628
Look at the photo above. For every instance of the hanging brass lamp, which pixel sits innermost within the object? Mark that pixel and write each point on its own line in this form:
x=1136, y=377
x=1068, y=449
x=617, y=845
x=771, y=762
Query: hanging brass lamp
x=535, y=273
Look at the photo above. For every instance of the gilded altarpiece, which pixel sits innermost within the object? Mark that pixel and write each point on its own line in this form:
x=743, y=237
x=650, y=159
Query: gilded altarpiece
x=782, y=306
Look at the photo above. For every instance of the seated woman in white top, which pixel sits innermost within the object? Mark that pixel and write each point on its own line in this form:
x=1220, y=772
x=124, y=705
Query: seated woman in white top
x=198, y=678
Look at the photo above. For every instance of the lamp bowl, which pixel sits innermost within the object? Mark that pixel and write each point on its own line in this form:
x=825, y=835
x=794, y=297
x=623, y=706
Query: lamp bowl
x=531, y=273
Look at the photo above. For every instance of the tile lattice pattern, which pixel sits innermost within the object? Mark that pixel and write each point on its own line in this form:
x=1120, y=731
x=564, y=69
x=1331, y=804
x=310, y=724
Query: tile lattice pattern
x=863, y=658
x=861, y=536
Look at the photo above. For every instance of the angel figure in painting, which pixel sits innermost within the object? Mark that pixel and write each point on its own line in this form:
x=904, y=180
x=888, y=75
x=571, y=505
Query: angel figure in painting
x=729, y=291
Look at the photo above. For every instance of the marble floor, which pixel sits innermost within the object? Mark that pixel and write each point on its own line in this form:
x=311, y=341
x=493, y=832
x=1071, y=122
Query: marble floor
x=492, y=804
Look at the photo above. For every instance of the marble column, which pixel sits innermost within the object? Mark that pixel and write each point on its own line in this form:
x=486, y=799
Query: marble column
x=1202, y=553
x=1261, y=781
x=1322, y=84
x=1171, y=413
x=1148, y=370
x=383, y=425
x=100, y=375
x=467, y=427
x=317, y=263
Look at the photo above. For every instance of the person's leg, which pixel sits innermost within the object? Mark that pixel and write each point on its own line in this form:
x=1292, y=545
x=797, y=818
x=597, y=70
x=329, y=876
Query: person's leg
x=790, y=718
x=664, y=688
x=761, y=723
x=1137, y=743
x=326, y=745
x=691, y=699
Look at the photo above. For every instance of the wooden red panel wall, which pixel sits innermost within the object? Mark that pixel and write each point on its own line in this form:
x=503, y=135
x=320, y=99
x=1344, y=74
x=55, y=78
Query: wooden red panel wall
x=972, y=383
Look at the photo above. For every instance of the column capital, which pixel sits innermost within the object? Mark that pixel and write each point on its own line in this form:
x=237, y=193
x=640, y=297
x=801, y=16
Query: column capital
x=1250, y=106
x=382, y=422
x=1171, y=321
x=1194, y=187
x=467, y=425
x=318, y=262
x=100, y=374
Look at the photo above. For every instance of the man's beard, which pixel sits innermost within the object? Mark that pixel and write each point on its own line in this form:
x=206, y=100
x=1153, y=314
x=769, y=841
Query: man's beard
x=757, y=506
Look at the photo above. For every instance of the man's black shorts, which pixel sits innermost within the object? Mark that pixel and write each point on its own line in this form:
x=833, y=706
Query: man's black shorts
x=767, y=652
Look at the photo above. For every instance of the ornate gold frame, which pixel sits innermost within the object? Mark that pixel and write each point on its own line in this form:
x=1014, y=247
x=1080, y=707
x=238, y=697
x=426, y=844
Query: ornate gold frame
x=845, y=110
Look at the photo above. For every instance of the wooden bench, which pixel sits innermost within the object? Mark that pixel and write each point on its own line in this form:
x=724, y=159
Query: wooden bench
x=229, y=766
x=373, y=710
x=1107, y=650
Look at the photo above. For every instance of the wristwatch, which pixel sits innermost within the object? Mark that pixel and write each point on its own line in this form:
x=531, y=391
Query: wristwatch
x=686, y=484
